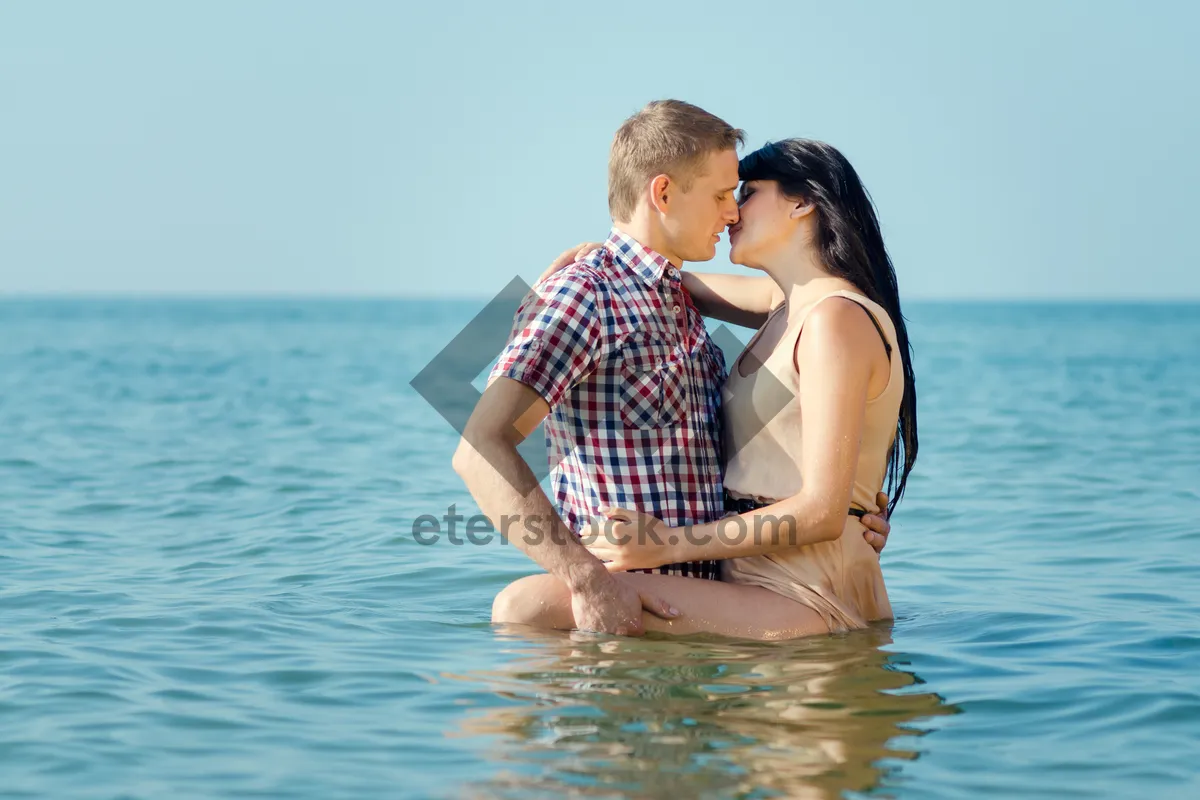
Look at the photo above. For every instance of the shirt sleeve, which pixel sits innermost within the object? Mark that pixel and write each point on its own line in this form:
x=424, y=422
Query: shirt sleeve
x=556, y=337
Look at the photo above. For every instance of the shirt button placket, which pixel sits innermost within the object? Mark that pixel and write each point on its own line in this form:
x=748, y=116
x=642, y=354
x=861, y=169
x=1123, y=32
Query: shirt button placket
x=673, y=273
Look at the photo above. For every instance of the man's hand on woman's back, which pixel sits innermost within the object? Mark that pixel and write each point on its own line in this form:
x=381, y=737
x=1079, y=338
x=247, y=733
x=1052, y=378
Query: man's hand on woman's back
x=877, y=525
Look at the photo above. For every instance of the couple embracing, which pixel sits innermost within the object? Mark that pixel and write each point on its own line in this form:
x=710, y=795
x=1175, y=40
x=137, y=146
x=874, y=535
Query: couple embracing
x=663, y=458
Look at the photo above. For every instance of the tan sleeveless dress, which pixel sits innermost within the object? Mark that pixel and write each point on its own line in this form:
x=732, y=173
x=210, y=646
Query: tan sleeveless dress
x=840, y=579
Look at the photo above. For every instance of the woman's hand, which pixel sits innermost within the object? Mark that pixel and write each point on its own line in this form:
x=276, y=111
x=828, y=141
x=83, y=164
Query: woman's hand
x=576, y=253
x=628, y=539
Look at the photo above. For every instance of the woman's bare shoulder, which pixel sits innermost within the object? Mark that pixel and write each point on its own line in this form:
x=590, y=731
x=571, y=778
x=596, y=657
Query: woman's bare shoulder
x=844, y=324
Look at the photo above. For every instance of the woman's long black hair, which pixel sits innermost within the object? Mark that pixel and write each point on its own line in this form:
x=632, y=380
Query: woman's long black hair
x=850, y=244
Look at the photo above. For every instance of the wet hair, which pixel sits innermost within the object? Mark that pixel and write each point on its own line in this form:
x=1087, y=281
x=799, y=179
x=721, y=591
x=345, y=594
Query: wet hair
x=850, y=245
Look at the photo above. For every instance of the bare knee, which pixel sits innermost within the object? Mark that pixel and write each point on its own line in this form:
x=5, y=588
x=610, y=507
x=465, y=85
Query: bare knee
x=536, y=600
x=509, y=606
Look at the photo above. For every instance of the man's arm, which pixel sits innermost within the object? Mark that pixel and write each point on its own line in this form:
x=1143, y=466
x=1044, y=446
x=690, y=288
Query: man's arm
x=555, y=342
x=506, y=489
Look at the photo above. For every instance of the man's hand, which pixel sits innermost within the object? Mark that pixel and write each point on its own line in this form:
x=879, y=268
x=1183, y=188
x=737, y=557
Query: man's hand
x=607, y=605
x=576, y=253
x=877, y=526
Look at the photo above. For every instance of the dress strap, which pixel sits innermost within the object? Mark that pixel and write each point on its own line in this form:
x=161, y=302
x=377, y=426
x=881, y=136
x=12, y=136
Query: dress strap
x=858, y=300
x=887, y=346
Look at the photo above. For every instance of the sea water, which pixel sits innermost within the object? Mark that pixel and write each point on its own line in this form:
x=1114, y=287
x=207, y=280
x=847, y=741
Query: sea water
x=210, y=587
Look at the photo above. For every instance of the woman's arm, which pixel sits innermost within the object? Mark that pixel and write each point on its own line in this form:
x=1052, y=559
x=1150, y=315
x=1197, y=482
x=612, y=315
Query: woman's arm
x=741, y=299
x=837, y=349
x=568, y=257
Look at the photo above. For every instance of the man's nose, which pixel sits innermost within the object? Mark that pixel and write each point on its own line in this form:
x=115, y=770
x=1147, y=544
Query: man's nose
x=733, y=214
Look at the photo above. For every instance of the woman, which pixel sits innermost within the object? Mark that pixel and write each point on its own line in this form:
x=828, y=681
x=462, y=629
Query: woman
x=820, y=410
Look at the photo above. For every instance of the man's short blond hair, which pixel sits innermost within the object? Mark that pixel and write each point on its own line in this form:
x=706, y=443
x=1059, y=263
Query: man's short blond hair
x=666, y=137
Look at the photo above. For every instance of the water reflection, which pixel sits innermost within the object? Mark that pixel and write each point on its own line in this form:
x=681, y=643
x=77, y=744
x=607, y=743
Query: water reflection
x=698, y=717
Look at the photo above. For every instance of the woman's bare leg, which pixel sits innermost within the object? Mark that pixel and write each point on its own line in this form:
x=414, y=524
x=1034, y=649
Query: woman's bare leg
x=727, y=609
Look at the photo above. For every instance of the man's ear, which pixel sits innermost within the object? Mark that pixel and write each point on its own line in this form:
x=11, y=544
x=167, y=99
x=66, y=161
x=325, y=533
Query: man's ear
x=660, y=192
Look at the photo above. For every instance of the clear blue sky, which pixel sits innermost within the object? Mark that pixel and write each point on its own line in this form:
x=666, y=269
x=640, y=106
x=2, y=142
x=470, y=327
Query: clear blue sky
x=1015, y=149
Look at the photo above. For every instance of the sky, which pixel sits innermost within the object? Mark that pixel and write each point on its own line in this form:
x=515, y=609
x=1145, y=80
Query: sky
x=1014, y=150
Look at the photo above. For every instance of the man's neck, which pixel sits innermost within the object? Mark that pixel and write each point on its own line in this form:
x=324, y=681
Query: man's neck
x=647, y=235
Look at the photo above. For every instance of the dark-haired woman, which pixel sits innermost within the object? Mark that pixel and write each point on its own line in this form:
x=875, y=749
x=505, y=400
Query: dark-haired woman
x=820, y=415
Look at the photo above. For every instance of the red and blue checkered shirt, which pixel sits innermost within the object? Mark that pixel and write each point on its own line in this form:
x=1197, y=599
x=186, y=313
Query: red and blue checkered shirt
x=633, y=381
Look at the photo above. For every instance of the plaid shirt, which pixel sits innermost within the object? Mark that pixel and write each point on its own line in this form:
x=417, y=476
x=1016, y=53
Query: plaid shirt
x=633, y=381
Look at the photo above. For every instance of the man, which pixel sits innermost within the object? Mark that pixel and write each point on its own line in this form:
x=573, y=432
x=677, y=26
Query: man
x=613, y=352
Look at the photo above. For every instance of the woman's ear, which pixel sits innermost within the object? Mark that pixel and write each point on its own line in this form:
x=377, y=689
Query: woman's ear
x=802, y=209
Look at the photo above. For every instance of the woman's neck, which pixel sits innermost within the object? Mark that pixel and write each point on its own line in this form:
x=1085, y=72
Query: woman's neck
x=803, y=279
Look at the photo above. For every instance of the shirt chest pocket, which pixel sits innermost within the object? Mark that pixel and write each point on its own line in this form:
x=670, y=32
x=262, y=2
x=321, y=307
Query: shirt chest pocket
x=653, y=384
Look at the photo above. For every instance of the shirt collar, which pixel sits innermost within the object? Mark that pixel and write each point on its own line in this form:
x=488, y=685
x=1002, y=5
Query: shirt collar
x=633, y=255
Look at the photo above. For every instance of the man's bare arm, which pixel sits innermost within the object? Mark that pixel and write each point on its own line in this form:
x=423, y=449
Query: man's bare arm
x=504, y=486
x=507, y=491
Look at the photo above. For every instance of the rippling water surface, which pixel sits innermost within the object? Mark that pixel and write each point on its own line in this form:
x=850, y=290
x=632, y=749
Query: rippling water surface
x=209, y=584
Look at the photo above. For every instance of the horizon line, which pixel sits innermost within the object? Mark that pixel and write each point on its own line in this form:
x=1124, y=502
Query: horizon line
x=388, y=297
